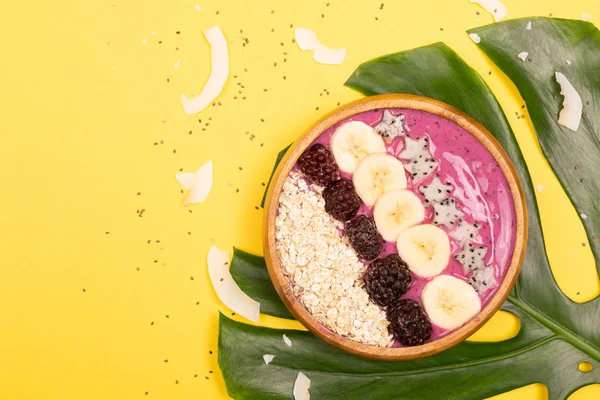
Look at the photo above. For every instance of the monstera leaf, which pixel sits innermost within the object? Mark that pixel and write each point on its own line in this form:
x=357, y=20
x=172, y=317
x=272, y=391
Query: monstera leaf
x=555, y=335
x=573, y=48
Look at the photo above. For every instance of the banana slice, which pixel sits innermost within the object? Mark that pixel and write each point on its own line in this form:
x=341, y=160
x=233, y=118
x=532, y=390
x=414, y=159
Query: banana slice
x=450, y=302
x=377, y=174
x=425, y=248
x=354, y=141
x=396, y=211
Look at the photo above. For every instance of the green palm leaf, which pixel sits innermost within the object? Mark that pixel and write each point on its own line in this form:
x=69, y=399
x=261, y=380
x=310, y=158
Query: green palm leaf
x=556, y=334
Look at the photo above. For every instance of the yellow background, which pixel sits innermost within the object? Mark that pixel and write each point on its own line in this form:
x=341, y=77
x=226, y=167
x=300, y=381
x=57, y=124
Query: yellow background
x=89, y=87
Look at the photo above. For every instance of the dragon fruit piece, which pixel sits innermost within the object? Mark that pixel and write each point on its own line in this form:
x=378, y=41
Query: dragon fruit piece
x=465, y=232
x=436, y=190
x=471, y=257
x=483, y=279
x=391, y=126
x=413, y=148
x=446, y=213
x=421, y=167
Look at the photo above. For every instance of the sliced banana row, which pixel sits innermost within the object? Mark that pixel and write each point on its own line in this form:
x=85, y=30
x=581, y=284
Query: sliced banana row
x=380, y=181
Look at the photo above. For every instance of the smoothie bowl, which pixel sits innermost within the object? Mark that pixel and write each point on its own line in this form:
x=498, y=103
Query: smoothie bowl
x=395, y=227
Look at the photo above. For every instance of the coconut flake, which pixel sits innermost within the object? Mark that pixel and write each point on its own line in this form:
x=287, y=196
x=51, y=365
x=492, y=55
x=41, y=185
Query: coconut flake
x=219, y=72
x=529, y=26
x=539, y=187
x=325, y=55
x=287, y=341
x=199, y=184
x=197, y=7
x=523, y=56
x=570, y=115
x=268, y=358
x=176, y=65
x=301, y=387
x=494, y=7
x=307, y=40
x=227, y=290
x=186, y=179
x=475, y=37
x=583, y=216
x=586, y=17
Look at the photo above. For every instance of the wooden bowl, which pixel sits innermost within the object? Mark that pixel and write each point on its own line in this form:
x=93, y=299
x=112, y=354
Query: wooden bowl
x=282, y=284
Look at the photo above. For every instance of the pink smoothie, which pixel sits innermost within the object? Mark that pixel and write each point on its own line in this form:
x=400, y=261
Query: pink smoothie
x=479, y=187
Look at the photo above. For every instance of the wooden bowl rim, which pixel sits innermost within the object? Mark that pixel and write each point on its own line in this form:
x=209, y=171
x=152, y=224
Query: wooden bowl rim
x=380, y=102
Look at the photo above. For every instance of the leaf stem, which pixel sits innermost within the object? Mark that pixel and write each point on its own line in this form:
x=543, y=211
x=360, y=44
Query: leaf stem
x=560, y=330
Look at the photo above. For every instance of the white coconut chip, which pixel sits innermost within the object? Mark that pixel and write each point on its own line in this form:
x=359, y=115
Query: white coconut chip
x=326, y=55
x=583, y=216
x=307, y=40
x=186, y=179
x=176, y=65
x=268, y=358
x=465, y=232
x=586, y=17
x=446, y=213
x=301, y=387
x=494, y=7
x=197, y=7
x=199, y=184
x=539, y=187
x=483, y=279
x=523, y=56
x=475, y=37
x=227, y=290
x=528, y=26
x=570, y=115
x=287, y=341
x=219, y=71
x=569, y=62
x=435, y=191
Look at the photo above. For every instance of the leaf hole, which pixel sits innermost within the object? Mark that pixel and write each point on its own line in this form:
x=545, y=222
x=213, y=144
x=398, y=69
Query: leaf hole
x=585, y=366
x=502, y=326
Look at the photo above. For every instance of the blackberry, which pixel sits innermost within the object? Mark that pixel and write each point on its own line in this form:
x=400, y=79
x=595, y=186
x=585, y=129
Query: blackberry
x=363, y=237
x=318, y=165
x=408, y=323
x=341, y=200
x=387, y=279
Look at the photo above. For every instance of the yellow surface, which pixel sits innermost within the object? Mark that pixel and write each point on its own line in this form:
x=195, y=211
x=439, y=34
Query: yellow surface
x=88, y=87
